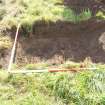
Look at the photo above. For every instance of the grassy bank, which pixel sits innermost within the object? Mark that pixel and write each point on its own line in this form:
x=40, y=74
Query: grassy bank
x=82, y=88
x=27, y=12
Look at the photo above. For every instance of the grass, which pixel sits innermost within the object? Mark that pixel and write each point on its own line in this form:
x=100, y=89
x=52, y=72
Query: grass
x=81, y=88
x=87, y=63
x=84, y=88
x=27, y=12
x=24, y=90
x=35, y=66
x=100, y=14
x=70, y=15
x=5, y=42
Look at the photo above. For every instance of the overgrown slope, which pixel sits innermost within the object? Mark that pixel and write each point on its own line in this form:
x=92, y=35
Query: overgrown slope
x=83, y=88
x=29, y=11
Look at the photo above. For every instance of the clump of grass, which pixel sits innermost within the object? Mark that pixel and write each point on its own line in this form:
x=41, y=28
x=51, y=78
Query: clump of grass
x=85, y=15
x=100, y=14
x=3, y=75
x=37, y=66
x=70, y=64
x=5, y=42
x=70, y=15
x=81, y=88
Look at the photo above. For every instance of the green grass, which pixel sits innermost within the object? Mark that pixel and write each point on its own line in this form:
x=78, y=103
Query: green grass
x=85, y=88
x=70, y=15
x=5, y=42
x=27, y=12
x=81, y=88
x=100, y=14
x=24, y=90
x=41, y=65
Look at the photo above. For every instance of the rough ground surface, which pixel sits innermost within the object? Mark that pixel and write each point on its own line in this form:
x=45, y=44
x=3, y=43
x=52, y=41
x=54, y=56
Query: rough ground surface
x=57, y=42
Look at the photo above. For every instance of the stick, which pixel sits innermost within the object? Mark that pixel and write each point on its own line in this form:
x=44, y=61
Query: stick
x=13, y=49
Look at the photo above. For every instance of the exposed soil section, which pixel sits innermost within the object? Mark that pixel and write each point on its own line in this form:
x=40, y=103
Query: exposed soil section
x=57, y=42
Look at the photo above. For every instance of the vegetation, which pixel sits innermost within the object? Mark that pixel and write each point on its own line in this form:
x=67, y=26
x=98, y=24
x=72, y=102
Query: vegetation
x=79, y=88
x=5, y=42
x=70, y=15
x=83, y=88
x=27, y=12
x=35, y=66
x=101, y=15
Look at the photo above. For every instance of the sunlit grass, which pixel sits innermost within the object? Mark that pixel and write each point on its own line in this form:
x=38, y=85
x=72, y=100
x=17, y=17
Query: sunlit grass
x=27, y=12
x=81, y=88
x=5, y=42
x=41, y=65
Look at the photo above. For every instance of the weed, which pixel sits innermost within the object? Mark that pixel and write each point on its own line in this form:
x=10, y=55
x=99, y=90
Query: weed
x=37, y=66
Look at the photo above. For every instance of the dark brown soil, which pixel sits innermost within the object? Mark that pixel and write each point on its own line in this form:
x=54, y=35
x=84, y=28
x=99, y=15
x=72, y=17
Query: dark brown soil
x=57, y=42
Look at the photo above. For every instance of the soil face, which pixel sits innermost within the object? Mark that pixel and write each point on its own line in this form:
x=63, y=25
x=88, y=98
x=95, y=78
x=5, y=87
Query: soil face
x=57, y=42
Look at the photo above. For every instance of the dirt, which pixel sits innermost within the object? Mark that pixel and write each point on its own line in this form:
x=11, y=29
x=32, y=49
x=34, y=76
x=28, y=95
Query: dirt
x=57, y=42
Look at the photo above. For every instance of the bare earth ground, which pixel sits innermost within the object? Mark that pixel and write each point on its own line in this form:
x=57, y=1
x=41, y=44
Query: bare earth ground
x=57, y=42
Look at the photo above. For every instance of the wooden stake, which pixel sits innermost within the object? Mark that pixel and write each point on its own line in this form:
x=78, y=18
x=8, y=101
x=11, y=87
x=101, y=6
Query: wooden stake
x=13, y=49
